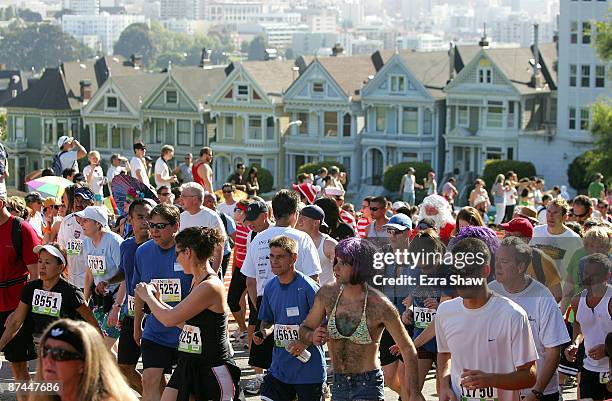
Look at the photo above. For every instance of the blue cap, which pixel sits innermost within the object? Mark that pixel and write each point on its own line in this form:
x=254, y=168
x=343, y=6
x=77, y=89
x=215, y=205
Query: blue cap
x=400, y=222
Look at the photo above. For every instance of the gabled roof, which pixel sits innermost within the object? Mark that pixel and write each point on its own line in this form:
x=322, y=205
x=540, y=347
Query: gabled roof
x=11, y=80
x=199, y=83
x=136, y=88
x=274, y=77
x=48, y=93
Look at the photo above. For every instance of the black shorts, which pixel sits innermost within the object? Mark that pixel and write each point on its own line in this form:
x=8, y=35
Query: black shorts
x=206, y=383
x=21, y=347
x=128, y=351
x=158, y=356
x=571, y=368
x=275, y=390
x=260, y=356
x=385, y=356
x=253, y=313
x=236, y=289
x=423, y=353
x=590, y=387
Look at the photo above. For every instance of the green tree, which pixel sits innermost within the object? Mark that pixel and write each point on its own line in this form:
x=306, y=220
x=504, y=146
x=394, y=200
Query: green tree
x=601, y=128
x=3, y=126
x=603, y=41
x=257, y=48
x=137, y=39
x=39, y=45
x=29, y=15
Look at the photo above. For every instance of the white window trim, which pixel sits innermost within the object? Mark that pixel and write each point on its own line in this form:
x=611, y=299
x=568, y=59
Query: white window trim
x=226, y=133
x=419, y=122
x=22, y=119
x=242, y=98
x=384, y=130
x=503, y=114
x=467, y=124
x=484, y=75
x=318, y=94
x=398, y=91
x=111, y=109
x=247, y=122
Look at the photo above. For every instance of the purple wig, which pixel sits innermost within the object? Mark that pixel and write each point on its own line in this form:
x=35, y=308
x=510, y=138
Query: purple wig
x=359, y=253
x=485, y=234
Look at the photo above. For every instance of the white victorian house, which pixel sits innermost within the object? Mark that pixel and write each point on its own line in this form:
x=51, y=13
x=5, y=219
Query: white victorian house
x=247, y=106
x=325, y=98
x=497, y=99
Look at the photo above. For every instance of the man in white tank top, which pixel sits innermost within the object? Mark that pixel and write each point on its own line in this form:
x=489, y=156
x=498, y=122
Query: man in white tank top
x=311, y=218
x=593, y=323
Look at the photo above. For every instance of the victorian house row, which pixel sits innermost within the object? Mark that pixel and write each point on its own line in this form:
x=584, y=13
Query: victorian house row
x=453, y=110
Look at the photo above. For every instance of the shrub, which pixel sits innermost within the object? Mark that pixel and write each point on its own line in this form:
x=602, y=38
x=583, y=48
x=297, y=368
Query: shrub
x=393, y=175
x=495, y=167
x=577, y=172
x=265, y=178
x=313, y=168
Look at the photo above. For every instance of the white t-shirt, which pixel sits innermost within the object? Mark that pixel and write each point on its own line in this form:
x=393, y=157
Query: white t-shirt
x=542, y=215
x=71, y=236
x=113, y=171
x=257, y=261
x=136, y=165
x=499, y=336
x=97, y=180
x=560, y=248
x=161, y=168
x=545, y=319
x=227, y=209
x=36, y=222
x=510, y=197
x=69, y=160
x=203, y=218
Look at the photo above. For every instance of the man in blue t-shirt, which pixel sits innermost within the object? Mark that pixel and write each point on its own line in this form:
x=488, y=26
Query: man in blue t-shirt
x=286, y=302
x=155, y=262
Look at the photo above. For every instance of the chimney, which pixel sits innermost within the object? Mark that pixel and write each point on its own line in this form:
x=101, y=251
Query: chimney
x=337, y=50
x=451, y=61
x=377, y=60
x=205, y=57
x=536, y=76
x=85, y=90
x=300, y=63
x=136, y=61
x=484, y=41
x=295, y=72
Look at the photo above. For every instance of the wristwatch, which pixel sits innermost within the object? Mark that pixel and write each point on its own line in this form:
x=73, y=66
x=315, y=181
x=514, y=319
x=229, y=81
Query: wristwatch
x=538, y=394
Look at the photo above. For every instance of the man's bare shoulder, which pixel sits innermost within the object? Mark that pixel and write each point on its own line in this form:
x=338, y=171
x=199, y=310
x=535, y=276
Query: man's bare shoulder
x=328, y=293
x=379, y=301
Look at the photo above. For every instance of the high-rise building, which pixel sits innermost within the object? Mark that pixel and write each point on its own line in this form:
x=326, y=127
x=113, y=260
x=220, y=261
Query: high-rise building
x=182, y=9
x=83, y=7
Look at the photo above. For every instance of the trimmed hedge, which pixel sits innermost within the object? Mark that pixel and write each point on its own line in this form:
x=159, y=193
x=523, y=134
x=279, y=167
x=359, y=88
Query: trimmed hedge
x=495, y=167
x=577, y=172
x=265, y=178
x=313, y=168
x=393, y=175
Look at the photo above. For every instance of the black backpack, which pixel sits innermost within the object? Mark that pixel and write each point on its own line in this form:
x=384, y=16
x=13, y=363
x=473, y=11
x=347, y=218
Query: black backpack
x=57, y=164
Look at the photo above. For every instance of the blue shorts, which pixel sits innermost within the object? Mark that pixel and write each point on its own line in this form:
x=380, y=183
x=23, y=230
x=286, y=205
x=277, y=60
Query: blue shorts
x=409, y=198
x=359, y=386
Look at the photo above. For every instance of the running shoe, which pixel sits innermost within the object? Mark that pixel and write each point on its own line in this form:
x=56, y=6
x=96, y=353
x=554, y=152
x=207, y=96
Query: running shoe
x=252, y=386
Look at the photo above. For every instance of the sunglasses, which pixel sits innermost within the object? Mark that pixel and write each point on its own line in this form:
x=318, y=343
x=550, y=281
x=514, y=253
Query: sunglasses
x=164, y=194
x=374, y=209
x=423, y=226
x=60, y=354
x=572, y=213
x=159, y=226
x=392, y=231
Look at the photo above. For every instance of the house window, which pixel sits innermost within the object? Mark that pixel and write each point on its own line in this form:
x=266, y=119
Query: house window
x=242, y=92
x=160, y=131
x=585, y=76
x=171, y=97
x=111, y=103
x=101, y=136
x=586, y=33
x=494, y=153
x=398, y=84
x=48, y=131
x=427, y=122
x=463, y=116
x=600, y=76
x=330, y=123
x=270, y=128
x=381, y=116
x=61, y=127
x=255, y=127
x=183, y=131
x=228, y=129
x=410, y=120
x=428, y=158
x=303, y=128
x=584, y=119
x=74, y=127
x=318, y=89
x=573, y=68
x=485, y=75
x=572, y=118
x=410, y=156
x=198, y=134
x=574, y=32
x=19, y=129
x=346, y=125
x=115, y=138
x=495, y=112
x=511, y=114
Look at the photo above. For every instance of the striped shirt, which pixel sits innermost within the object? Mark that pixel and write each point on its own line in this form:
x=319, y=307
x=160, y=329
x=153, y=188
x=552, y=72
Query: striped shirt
x=362, y=227
x=348, y=218
x=240, y=247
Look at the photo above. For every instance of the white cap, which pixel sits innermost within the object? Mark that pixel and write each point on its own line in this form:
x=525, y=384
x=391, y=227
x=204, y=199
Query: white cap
x=397, y=204
x=52, y=250
x=95, y=213
x=480, y=199
x=62, y=140
x=333, y=191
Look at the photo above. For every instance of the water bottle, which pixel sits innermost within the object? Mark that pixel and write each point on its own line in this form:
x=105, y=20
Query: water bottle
x=304, y=356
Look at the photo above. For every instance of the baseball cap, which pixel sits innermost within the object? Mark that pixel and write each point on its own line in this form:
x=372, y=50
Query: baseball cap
x=51, y=201
x=33, y=197
x=314, y=212
x=62, y=140
x=519, y=225
x=400, y=222
x=255, y=209
x=397, y=204
x=84, y=193
x=332, y=191
x=95, y=213
x=308, y=190
x=139, y=145
x=52, y=250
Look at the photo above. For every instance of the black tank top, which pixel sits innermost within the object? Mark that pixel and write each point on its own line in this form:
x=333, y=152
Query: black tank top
x=213, y=330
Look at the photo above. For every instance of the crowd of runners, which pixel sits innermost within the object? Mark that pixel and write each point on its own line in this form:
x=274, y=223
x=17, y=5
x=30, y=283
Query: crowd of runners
x=509, y=298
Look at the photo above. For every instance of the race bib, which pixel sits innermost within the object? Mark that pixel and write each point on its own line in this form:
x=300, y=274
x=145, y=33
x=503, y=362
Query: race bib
x=74, y=247
x=47, y=303
x=97, y=265
x=604, y=377
x=285, y=333
x=190, y=340
x=170, y=289
x=423, y=317
x=479, y=394
x=130, y=305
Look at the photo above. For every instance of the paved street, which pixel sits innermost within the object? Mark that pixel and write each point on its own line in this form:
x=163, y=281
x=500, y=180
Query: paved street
x=242, y=358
